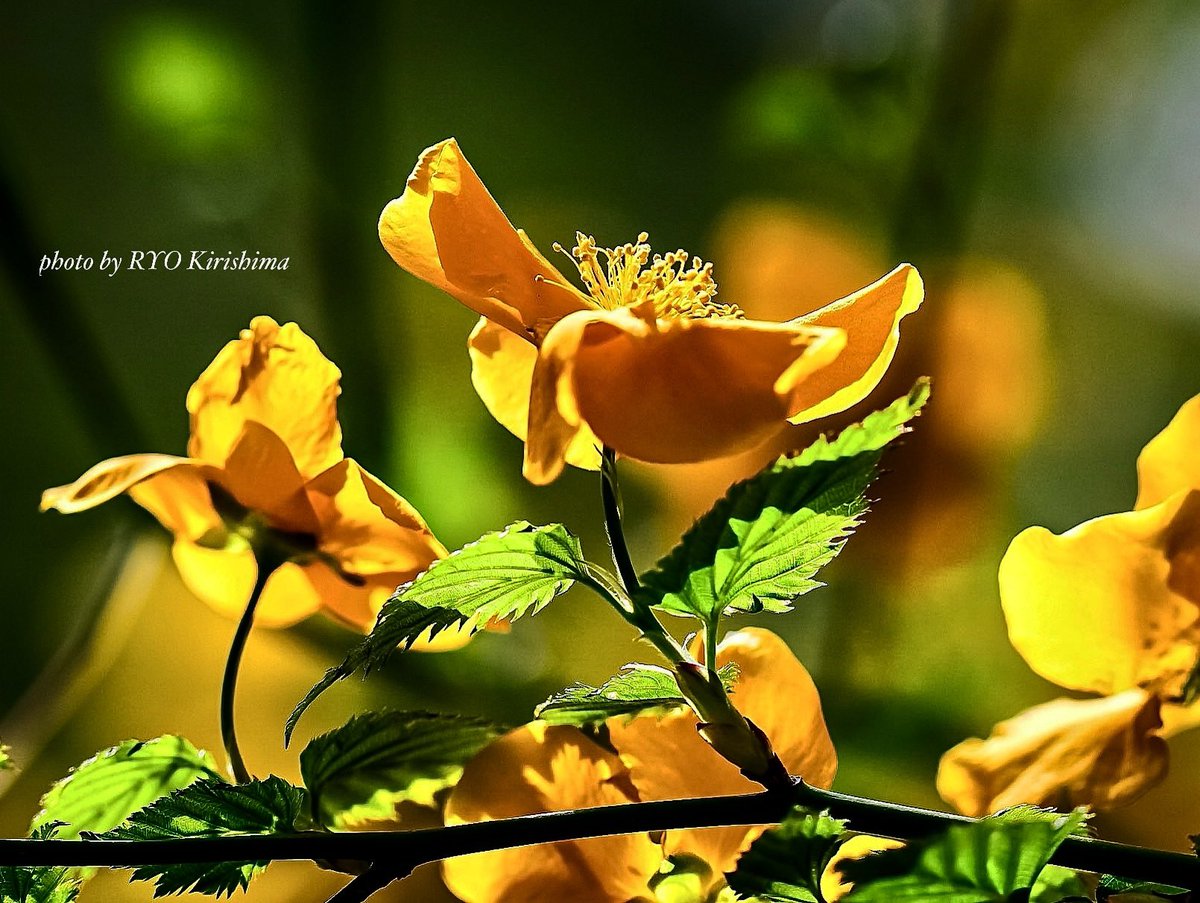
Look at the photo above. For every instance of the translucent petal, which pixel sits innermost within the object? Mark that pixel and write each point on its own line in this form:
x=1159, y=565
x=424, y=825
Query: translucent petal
x=275, y=376
x=447, y=230
x=538, y=768
x=1102, y=753
x=667, y=391
x=1111, y=604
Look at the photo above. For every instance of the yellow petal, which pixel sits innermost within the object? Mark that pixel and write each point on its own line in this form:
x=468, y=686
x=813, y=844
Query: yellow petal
x=871, y=319
x=447, y=230
x=179, y=497
x=108, y=479
x=538, y=768
x=778, y=695
x=1170, y=461
x=262, y=476
x=1111, y=604
x=367, y=527
x=276, y=376
x=502, y=370
x=1097, y=752
x=224, y=578
x=1179, y=718
x=833, y=885
x=667, y=391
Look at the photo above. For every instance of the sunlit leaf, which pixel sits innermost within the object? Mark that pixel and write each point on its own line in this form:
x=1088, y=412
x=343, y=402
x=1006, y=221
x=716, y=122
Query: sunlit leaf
x=761, y=545
x=211, y=808
x=990, y=860
x=503, y=575
x=360, y=771
x=786, y=863
x=636, y=690
x=106, y=789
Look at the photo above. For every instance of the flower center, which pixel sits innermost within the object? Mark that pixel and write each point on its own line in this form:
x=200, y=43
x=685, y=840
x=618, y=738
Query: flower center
x=627, y=276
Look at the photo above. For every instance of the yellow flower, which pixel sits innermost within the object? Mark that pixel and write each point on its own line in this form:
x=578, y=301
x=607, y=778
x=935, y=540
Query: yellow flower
x=265, y=463
x=645, y=360
x=538, y=768
x=1111, y=607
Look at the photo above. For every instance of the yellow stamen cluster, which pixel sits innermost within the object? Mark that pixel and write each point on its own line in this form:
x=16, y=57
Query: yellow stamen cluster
x=627, y=275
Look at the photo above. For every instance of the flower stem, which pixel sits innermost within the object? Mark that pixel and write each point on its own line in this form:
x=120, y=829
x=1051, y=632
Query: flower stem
x=610, y=495
x=396, y=852
x=722, y=725
x=266, y=567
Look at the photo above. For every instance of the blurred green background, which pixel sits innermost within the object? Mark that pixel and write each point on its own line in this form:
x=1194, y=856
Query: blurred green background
x=1038, y=162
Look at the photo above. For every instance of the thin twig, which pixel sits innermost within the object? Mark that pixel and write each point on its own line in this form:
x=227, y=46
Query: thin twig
x=425, y=845
x=375, y=878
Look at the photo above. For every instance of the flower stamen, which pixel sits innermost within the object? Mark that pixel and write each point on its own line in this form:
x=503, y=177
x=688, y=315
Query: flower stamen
x=628, y=276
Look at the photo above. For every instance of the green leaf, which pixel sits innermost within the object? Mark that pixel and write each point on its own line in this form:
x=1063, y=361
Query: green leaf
x=106, y=789
x=505, y=575
x=1123, y=886
x=40, y=884
x=1057, y=884
x=995, y=859
x=211, y=808
x=636, y=690
x=760, y=546
x=787, y=862
x=361, y=770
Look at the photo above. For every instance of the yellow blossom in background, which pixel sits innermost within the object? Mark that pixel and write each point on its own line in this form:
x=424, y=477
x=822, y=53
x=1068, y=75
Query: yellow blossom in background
x=983, y=343
x=644, y=360
x=265, y=462
x=538, y=768
x=1111, y=607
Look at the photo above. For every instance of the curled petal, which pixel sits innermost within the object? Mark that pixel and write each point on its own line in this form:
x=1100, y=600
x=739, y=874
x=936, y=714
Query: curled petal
x=538, y=768
x=1097, y=752
x=447, y=230
x=502, y=370
x=1111, y=604
x=1169, y=462
x=275, y=376
x=110, y=478
x=776, y=693
x=871, y=320
x=667, y=391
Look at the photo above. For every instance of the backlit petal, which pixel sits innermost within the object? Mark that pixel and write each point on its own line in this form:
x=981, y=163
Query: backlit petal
x=871, y=319
x=369, y=529
x=179, y=497
x=447, y=230
x=834, y=886
x=108, y=479
x=262, y=476
x=276, y=376
x=1097, y=752
x=1170, y=461
x=538, y=768
x=667, y=391
x=501, y=370
x=1111, y=604
x=224, y=578
x=776, y=693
